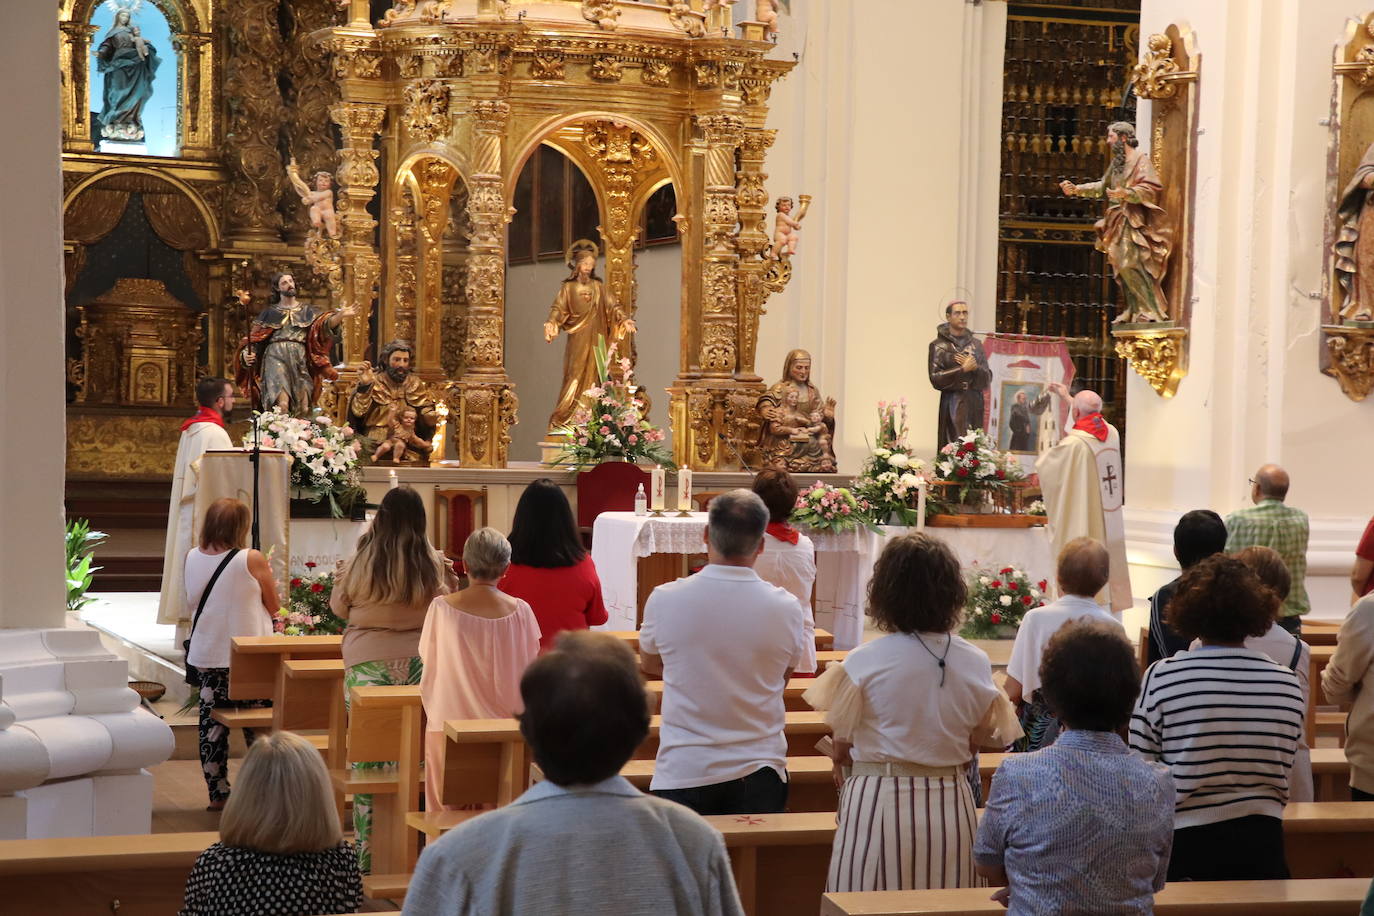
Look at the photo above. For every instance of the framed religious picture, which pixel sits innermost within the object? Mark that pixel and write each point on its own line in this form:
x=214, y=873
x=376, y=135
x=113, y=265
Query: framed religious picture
x=1020, y=405
x=1021, y=415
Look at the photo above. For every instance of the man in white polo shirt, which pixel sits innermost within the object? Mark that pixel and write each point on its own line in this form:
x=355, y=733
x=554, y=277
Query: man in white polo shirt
x=725, y=642
x=1083, y=568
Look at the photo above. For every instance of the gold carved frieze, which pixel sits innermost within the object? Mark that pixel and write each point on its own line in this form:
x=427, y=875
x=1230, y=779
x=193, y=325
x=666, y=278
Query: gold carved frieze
x=656, y=73
x=1351, y=352
x=1158, y=356
x=607, y=69
x=548, y=65
x=121, y=445
x=426, y=110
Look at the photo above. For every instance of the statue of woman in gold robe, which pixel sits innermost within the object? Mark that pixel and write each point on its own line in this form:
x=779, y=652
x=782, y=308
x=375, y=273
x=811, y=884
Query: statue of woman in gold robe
x=584, y=308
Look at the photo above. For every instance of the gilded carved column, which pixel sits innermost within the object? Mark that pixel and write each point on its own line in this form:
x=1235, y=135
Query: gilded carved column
x=719, y=305
x=310, y=135
x=75, y=58
x=753, y=239
x=488, y=405
x=359, y=122
x=397, y=316
x=424, y=316
x=256, y=53
x=197, y=69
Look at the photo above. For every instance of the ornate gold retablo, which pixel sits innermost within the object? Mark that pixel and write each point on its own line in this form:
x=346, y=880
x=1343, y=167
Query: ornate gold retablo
x=140, y=345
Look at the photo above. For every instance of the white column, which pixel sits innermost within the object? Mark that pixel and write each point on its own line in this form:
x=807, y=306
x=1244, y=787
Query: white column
x=32, y=357
x=892, y=120
x=1253, y=393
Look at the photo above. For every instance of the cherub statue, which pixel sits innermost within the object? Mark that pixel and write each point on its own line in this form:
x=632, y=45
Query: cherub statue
x=401, y=433
x=320, y=200
x=787, y=228
x=766, y=11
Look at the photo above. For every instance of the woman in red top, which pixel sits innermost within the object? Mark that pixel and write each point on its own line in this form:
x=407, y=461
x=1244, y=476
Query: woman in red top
x=550, y=569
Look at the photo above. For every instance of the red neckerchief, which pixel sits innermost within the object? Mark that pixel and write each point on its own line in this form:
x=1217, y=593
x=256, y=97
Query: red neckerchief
x=204, y=415
x=1093, y=425
x=783, y=532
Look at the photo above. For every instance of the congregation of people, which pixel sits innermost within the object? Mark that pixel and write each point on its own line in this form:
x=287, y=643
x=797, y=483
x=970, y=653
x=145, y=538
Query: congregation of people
x=1119, y=780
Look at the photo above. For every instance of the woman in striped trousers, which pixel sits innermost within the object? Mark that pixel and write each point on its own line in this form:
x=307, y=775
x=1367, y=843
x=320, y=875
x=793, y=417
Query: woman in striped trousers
x=908, y=711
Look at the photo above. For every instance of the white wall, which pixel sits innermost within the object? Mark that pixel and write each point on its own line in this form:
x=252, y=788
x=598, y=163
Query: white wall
x=1254, y=393
x=537, y=367
x=891, y=120
x=32, y=358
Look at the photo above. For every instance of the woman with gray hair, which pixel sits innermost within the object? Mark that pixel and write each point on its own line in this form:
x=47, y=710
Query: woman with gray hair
x=476, y=644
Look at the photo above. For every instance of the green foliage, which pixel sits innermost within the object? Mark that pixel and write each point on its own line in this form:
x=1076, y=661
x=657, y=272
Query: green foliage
x=81, y=544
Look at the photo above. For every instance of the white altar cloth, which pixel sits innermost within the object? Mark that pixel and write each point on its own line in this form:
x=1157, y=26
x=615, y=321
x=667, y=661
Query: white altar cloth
x=844, y=562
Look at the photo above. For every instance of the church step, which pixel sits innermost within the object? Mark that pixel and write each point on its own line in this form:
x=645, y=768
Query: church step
x=127, y=574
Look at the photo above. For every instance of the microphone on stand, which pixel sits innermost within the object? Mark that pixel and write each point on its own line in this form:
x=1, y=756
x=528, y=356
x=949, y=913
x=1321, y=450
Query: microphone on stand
x=255, y=457
x=738, y=457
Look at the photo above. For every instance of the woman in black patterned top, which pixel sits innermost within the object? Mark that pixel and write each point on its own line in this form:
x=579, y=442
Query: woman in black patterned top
x=281, y=850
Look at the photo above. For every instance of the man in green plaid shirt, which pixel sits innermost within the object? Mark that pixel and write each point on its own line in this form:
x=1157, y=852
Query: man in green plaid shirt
x=1269, y=523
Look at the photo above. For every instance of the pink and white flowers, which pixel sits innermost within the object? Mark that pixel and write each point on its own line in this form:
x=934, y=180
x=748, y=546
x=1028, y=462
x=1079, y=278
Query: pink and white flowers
x=609, y=422
x=891, y=475
x=822, y=507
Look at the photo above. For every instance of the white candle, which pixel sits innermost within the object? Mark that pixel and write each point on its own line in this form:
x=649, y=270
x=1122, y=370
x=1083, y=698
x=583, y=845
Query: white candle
x=391, y=478
x=659, y=488
x=921, y=505
x=684, y=490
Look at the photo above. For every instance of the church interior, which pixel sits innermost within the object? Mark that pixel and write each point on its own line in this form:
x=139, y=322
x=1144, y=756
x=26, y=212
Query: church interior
x=998, y=274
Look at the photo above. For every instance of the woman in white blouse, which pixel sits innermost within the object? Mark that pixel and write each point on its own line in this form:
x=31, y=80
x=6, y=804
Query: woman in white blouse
x=908, y=712
x=789, y=558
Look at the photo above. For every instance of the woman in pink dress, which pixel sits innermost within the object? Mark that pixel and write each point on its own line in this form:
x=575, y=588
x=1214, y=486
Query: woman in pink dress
x=475, y=645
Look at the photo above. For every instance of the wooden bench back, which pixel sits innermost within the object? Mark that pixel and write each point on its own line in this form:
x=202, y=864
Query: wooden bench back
x=1196, y=898
x=253, y=661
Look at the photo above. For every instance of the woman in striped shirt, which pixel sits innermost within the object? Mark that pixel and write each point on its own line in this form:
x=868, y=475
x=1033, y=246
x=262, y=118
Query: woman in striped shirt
x=1226, y=720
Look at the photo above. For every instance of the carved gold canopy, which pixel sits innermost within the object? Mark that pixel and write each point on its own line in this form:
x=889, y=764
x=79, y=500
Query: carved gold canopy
x=452, y=97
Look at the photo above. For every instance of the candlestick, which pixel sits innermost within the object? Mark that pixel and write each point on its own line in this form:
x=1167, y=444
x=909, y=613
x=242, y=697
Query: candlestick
x=921, y=505
x=391, y=478
x=658, y=489
x=684, y=490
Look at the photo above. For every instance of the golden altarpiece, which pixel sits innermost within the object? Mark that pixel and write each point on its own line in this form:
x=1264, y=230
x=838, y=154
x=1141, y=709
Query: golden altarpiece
x=426, y=116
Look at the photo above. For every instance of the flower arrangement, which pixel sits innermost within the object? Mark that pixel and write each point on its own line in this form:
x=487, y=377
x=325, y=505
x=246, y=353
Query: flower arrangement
x=307, y=611
x=609, y=422
x=891, y=475
x=822, y=507
x=972, y=464
x=1037, y=508
x=324, y=457
x=999, y=601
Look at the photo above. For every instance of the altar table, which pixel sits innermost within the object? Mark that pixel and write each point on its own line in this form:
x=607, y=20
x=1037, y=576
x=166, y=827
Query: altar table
x=634, y=554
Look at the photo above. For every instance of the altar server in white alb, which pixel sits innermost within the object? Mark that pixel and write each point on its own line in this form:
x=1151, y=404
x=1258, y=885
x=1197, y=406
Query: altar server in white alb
x=1082, y=481
x=199, y=434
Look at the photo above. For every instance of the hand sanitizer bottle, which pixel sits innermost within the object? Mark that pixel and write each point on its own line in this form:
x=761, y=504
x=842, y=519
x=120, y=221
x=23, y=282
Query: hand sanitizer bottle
x=641, y=501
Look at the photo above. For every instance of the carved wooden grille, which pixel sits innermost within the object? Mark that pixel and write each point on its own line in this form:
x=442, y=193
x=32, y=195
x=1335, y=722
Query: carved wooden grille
x=1065, y=78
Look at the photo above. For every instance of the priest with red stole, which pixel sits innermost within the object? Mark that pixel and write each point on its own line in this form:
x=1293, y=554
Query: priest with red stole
x=199, y=434
x=1081, y=478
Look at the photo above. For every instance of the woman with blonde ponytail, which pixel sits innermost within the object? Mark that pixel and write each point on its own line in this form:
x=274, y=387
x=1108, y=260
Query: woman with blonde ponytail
x=384, y=591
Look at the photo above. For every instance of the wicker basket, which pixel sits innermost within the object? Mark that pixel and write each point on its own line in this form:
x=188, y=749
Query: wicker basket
x=151, y=691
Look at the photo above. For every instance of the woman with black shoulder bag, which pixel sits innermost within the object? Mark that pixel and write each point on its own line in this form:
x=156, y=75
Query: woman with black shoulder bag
x=233, y=594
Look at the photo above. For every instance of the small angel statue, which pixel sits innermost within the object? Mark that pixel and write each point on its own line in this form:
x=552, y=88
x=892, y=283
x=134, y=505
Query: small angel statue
x=787, y=228
x=400, y=434
x=320, y=200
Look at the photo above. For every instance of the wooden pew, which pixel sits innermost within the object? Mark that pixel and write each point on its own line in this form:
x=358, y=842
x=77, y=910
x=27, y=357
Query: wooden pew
x=1330, y=773
x=142, y=875
x=791, y=694
x=825, y=640
x=309, y=699
x=1336, y=897
x=253, y=671
x=386, y=723
x=1321, y=723
x=485, y=760
x=810, y=783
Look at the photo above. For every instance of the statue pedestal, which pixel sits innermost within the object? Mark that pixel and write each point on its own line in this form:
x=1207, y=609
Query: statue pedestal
x=73, y=740
x=551, y=448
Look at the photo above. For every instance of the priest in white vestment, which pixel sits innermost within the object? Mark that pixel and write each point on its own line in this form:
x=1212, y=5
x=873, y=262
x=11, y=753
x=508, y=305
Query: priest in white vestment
x=1082, y=481
x=200, y=433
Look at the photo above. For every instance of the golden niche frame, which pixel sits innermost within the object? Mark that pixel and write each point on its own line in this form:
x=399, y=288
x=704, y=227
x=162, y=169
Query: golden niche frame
x=460, y=93
x=1347, y=353
x=1168, y=76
